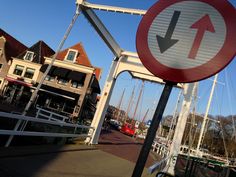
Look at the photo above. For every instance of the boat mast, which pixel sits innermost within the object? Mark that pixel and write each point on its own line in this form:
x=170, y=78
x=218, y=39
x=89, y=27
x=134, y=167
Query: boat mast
x=129, y=104
x=136, y=107
x=119, y=105
x=206, y=115
x=174, y=119
x=144, y=117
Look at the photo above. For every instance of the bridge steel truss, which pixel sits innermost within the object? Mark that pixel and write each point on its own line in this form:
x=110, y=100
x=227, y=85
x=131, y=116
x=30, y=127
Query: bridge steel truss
x=123, y=61
x=128, y=61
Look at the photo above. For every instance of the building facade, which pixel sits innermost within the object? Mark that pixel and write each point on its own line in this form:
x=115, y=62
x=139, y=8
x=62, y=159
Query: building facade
x=70, y=88
x=9, y=47
x=23, y=73
x=71, y=84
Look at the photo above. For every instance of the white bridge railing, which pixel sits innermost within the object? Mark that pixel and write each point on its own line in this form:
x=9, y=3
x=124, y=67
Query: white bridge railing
x=75, y=127
x=48, y=115
x=162, y=150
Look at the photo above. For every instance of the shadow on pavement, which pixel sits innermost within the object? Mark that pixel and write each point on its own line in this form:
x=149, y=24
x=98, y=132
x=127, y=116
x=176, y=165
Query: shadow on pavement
x=33, y=161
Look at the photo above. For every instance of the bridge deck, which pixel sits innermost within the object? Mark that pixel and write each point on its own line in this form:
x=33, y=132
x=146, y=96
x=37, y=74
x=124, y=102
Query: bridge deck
x=114, y=156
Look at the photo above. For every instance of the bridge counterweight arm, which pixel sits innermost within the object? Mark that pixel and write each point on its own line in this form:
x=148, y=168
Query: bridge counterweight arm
x=102, y=31
x=111, y=8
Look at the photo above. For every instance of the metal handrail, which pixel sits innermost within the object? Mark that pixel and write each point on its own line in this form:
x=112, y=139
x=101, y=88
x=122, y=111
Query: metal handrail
x=33, y=119
x=43, y=134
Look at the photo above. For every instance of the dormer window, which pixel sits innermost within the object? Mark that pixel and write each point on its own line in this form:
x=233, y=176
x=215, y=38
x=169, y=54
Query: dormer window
x=71, y=55
x=29, y=56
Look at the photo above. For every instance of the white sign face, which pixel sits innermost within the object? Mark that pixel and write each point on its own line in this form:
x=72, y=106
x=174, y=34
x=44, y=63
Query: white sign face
x=183, y=49
x=187, y=41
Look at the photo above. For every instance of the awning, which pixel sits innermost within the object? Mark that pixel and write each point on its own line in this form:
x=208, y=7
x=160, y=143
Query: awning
x=61, y=72
x=53, y=93
x=59, y=92
x=17, y=81
x=76, y=76
x=95, y=86
x=44, y=67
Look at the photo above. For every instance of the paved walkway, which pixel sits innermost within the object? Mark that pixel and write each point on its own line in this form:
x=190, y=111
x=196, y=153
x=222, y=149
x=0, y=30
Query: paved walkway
x=123, y=146
x=63, y=161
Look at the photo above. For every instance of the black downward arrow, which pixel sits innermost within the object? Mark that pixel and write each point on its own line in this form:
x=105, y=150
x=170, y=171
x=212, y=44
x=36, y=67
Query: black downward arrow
x=166, y=42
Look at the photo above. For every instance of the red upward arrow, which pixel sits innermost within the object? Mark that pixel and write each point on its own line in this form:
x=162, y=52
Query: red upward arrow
x=202, y=25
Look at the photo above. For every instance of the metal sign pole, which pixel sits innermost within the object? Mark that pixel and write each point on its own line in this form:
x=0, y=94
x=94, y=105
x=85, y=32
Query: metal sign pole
x=152, y=130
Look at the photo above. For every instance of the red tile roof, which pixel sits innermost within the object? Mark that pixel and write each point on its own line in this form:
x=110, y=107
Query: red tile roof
x=13, y=47
x=41, y=50
x=98, y=73
x=82, y=58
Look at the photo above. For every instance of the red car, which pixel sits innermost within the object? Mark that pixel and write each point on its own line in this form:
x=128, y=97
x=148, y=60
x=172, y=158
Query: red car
x=127, y=129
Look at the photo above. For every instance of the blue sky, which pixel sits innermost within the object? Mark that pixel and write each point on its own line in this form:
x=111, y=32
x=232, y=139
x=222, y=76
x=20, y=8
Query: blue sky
x=47, y=20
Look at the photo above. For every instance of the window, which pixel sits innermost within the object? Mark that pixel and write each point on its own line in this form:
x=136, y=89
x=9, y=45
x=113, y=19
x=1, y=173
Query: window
x=49, y=78
x=71, y=55
x=76, y=84
x=18, y=70
x=29, y=56
x=69, y=106
x=29, y=73
x=62, y=81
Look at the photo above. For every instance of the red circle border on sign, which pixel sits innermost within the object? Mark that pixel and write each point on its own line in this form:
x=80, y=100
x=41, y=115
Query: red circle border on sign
x=215, y=65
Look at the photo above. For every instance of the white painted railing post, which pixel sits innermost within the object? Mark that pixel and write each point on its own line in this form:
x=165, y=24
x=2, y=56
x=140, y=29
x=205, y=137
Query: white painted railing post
x=103, y=104
x=189, y=91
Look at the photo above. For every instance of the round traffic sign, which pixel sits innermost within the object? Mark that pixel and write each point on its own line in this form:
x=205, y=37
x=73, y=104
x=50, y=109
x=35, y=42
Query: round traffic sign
x=186, y=41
